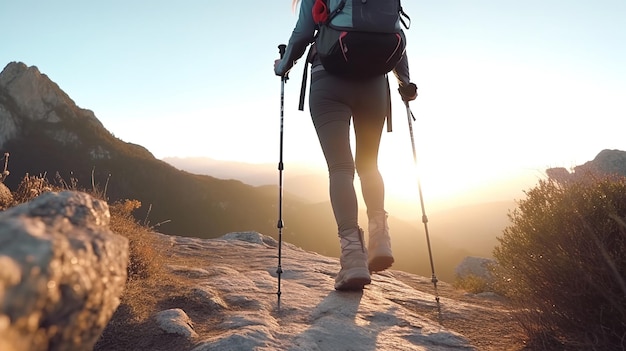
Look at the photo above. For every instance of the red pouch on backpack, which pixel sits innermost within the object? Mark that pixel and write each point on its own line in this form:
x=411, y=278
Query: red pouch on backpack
x=320, y=11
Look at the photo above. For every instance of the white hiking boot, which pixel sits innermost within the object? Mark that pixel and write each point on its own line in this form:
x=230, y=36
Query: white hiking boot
x=354, y=274
x=379, y=248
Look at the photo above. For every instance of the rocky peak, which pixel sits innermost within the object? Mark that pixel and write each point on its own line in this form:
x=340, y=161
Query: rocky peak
x=606, y=162
x=27, y=95
x=12, y=70
x=35, y=95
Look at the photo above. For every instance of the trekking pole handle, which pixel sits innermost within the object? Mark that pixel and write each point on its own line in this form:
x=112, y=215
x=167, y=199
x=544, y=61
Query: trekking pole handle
x=281, y=50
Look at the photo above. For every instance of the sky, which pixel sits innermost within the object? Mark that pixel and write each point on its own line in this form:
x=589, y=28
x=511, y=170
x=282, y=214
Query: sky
x=505, y=87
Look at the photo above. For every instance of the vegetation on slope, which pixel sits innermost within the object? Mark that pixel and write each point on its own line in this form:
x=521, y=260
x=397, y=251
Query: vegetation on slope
x=563, y=260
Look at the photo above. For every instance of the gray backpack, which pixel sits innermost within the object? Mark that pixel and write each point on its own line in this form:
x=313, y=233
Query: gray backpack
x=359, y=39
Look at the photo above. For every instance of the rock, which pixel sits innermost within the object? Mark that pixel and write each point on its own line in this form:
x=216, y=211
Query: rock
x=559, y=174
x=176, y=321
x=34, y=94
x=606, y=162
x=251, y=237
x=62, y=272
x=475, y=266
x=609, y=162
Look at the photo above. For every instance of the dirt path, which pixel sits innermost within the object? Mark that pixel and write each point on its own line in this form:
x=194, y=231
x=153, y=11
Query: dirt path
x=490, y=326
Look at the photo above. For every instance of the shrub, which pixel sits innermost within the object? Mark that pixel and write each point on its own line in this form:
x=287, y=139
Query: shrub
x=32, y=186
x=563, y=260
x=472, y=284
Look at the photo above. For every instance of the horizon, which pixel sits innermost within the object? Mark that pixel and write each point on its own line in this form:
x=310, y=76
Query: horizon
x=506, y=90
x=402, y=201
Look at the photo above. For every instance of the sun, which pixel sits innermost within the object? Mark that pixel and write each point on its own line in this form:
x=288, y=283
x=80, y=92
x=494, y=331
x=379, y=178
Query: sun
x=405, y=175
x=437, y=175
x=404, y=179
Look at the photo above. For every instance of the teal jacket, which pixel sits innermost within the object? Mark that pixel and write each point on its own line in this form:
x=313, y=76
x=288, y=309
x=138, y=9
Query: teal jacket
x=304, y=34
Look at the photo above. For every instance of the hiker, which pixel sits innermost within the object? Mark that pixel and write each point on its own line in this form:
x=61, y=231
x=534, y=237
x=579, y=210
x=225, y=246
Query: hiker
x=333, y=102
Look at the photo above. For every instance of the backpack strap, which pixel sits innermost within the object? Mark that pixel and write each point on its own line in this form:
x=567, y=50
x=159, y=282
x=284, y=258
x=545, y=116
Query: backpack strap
x=303, y=87
x=336, y=11
x=388, y=118
x=403, y=14
x=305, y=75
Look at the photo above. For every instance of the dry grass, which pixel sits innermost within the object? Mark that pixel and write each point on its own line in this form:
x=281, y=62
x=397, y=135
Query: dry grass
x=147, y=287
x=146, y=260
x=472, y=284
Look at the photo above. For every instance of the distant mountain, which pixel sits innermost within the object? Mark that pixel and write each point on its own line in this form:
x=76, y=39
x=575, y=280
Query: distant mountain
x=308, y=183
x=253, y=174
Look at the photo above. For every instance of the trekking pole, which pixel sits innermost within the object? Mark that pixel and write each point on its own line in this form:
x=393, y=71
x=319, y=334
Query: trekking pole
x=280, y=225
x=411, y=118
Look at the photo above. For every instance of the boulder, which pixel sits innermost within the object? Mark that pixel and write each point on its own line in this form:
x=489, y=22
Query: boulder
x=475, y=266
x=62, y=272
x=176, y=321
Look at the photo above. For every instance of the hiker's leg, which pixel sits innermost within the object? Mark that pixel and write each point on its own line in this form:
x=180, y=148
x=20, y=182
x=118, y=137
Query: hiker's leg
x=369, y=117
x=331, y=116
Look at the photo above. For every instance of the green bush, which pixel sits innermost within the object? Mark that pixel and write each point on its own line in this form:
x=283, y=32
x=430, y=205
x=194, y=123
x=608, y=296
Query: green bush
x=563, y=260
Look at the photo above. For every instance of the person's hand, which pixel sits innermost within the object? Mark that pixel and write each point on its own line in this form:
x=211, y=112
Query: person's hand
x=285, y=75
x=408, y=92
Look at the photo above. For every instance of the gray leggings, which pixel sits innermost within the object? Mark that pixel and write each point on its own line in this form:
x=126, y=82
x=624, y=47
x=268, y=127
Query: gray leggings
x=333, y=103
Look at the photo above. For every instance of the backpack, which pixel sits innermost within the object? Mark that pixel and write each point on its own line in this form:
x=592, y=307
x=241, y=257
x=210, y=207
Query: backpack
x=359, y=39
